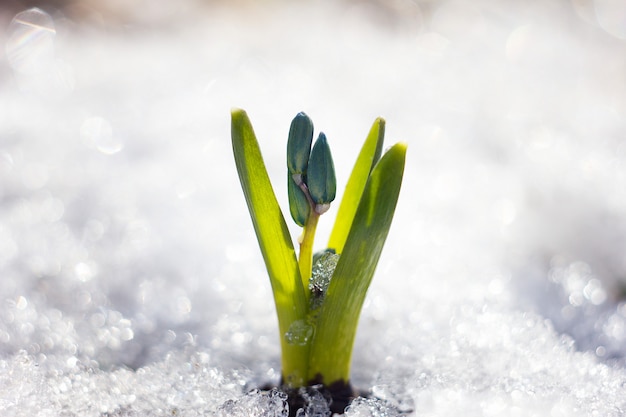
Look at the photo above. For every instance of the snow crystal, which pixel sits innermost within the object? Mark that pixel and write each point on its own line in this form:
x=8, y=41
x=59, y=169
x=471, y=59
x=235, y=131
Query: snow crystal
x=324, y=265
x=315, y=404
x=256, y=403
x=132, y=284
x=365, y=407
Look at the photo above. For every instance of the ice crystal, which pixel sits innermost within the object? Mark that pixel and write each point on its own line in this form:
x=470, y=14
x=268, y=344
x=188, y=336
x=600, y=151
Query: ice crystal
x=324, y=265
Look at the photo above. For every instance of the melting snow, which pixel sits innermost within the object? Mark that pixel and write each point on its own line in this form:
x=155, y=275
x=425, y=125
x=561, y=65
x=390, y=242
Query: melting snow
x=131, y=283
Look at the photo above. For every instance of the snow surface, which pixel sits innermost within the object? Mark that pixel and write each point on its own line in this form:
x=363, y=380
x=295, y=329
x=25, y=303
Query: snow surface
x=131, y=281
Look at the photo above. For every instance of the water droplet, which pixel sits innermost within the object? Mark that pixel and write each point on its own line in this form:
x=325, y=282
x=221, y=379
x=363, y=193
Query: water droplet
x=97, y=132
x=299, y=333
x=30, y=47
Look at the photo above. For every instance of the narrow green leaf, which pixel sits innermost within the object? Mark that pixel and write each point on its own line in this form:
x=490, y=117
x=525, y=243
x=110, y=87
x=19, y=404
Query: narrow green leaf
x=276, y=245
x=337, y=322
x=369, y=155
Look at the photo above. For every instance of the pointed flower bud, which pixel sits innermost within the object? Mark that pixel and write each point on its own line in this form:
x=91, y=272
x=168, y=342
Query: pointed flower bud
x=321, y=175
x=299, y=144
x=299, y=206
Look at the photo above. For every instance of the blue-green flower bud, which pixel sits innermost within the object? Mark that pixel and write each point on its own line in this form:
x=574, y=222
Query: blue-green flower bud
x=299, y=144
x=299, y=206
x=321, y=175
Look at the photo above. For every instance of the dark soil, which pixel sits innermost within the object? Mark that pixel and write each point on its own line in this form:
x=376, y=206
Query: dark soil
x=337, y=395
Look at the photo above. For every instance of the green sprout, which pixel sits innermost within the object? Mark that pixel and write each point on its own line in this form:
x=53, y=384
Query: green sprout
x=319, y=297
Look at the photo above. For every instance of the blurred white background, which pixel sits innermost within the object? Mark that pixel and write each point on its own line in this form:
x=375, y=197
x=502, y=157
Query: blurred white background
x=131, y=280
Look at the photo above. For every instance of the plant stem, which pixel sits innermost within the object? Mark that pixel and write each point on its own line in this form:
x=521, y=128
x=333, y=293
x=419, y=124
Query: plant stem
x=305, y=260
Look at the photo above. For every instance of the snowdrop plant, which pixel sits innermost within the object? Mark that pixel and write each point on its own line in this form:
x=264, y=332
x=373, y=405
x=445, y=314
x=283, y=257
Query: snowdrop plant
x=319, y=297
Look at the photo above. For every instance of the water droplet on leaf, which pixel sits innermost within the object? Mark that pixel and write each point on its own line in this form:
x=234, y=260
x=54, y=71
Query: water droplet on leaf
x=300, y=333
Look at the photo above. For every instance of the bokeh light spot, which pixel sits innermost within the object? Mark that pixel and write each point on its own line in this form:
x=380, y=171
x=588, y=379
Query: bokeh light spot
x=30, y=47
x=97, y=132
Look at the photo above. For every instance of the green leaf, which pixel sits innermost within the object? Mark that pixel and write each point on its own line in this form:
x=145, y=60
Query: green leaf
x=276, y=245
x=369, y=155
x=337, y=322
